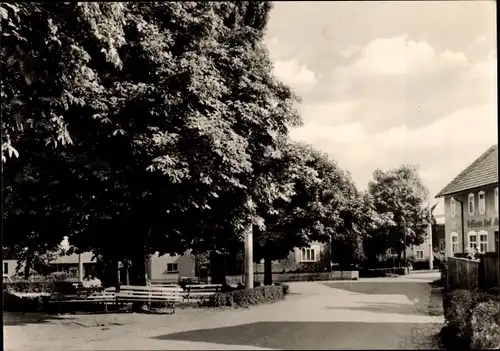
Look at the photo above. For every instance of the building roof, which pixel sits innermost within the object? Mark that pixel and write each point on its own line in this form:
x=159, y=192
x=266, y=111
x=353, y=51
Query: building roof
x=483, y=171
x=72, y=259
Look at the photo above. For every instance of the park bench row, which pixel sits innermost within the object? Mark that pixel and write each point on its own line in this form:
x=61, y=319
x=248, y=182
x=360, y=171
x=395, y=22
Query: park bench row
x=168, y=294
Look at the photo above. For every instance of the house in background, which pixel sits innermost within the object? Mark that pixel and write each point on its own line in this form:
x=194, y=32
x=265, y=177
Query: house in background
x=69, y=264
x=61, y=263
x=296, y=258
x=421, y=252
x=166, y=268
x=473, y=193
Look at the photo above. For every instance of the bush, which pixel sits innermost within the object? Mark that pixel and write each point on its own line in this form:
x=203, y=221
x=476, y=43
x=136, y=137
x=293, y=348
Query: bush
x=27, y=286
x=457, y=306
x=285, y=287
x=13, y=303
x=484, y=325
x=471, y=314
x=245, y=298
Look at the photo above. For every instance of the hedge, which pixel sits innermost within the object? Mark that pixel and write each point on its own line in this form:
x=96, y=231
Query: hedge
x=484, y=325
x=473, y=317
x=13, y=303
x=27, y=286
x=246, y=298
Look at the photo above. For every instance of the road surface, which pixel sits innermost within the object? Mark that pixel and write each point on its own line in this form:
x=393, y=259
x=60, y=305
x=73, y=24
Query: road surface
x=378, y=313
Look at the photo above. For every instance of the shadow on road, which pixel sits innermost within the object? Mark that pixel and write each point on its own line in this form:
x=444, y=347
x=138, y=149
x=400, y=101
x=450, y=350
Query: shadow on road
x=306, y=335
x=381, y=288
x=23, y=318
x=383, y=307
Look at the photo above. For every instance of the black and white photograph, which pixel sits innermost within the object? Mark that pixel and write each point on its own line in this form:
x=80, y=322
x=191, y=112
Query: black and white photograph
x=250, y=175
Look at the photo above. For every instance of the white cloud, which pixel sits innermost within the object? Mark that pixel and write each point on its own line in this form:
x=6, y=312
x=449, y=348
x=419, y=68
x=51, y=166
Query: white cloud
x=349, y=51
x=327, y=112
x=409, y=84
x=401, y=56
x=299, y=77
x=441, y=149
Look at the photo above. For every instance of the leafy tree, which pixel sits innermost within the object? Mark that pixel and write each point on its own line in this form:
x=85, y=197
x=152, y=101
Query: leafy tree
x=172, y=114
x=401, y=194
x=319, y=207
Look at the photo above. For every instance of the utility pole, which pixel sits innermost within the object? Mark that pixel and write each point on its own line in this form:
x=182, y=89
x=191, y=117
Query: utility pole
x=431, y=253
x=249, y=257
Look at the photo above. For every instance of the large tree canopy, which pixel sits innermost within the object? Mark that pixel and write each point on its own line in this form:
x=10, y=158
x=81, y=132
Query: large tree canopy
x=173, y=116
x=401, y=194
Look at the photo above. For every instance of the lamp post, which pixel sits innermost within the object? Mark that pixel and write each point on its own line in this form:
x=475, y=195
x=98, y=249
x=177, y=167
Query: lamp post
x=462, y=225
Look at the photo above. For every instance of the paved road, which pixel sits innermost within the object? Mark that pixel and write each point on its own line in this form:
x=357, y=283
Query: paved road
x=381, y=313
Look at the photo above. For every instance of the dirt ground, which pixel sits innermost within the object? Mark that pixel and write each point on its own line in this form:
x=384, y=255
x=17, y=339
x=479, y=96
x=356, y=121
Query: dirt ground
x=380, y=313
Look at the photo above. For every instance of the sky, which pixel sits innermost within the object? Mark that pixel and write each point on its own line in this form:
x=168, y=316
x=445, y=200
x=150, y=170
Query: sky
x=390, y=83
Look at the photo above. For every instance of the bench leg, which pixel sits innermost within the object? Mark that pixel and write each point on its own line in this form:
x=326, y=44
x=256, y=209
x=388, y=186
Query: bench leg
x=172, y=306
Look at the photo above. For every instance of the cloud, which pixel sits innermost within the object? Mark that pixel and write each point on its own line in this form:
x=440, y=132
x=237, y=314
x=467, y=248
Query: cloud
x=441, y=149
x=401, y=56
x=400, y=81
x=408, y=84
x=296, y=75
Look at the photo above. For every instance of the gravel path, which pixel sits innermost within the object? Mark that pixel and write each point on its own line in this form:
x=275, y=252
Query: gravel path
x=382, y=313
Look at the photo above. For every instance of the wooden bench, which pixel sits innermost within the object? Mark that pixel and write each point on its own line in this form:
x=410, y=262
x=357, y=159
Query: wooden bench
x=166, y=285
x=84, y=295
x=199, y=291
x=150, y=294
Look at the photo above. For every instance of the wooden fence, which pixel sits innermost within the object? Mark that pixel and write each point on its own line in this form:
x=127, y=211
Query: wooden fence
x=298, y=277
x=463, y=273
x=488, y=271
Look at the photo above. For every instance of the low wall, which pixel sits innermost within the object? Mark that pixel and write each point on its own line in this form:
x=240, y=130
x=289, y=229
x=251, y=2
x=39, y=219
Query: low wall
x=298, y=277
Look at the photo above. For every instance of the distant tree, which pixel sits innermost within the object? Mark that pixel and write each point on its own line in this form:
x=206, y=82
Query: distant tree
x=401, y=194
x=322, y=206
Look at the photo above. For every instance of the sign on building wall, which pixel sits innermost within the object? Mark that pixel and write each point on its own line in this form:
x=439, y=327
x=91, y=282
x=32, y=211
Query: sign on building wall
x=474, y=223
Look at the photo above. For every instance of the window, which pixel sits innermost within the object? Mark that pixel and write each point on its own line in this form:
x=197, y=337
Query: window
x=472, y=240
x=5, y=268
x=454, y=243
x=483, y=241
x=419, y=254
x=481, y=203
x=308, y=255
x=471, y=204
x=172, y=268
x=453, y=207
x=496, y=201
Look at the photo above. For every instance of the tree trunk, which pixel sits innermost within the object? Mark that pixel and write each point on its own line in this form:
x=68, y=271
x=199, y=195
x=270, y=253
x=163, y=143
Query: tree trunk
x=218, y=268
x=138, y=275
x=268, y=271
x=116, y=268
x=27, y=267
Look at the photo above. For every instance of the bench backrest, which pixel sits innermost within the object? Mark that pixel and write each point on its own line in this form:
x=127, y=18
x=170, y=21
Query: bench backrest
x=149, y=293
x=165, y=285
x=204, y=287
